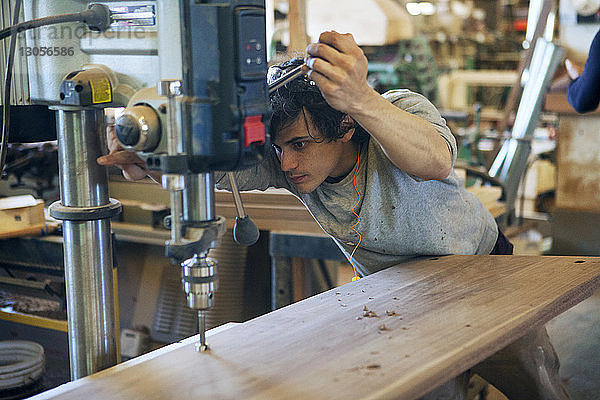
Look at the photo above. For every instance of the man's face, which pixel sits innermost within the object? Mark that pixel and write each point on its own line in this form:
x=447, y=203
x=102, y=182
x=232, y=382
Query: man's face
x=307, y=162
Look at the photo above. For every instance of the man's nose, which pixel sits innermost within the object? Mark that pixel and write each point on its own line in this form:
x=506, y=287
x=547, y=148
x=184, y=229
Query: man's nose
x=288, y=161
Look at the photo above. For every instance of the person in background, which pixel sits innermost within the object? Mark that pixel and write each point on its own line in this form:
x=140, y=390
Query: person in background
x=584, y=91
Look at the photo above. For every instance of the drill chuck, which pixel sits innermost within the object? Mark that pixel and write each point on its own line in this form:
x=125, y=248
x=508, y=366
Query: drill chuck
x=200, y=281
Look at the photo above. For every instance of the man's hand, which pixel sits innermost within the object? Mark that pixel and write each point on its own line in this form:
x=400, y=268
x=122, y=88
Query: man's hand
x=133, y=167
x=573, y=70
x=339, y=67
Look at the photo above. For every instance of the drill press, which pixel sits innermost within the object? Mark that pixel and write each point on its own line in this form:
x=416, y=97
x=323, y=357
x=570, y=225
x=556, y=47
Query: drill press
x=212, y=118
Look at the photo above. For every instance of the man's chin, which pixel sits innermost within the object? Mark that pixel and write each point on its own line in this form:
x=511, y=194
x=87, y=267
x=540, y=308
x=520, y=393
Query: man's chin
x=305, y=191
x=305, y=188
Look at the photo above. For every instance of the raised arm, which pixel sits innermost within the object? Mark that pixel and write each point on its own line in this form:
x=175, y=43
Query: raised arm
x=584, y=92
x=339, y=67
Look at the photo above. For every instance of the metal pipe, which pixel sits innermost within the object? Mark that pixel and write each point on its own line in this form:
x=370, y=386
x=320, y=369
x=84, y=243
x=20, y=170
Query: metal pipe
x=174, y=183
x=176, y=207
x=87, y=244
x=199, y=198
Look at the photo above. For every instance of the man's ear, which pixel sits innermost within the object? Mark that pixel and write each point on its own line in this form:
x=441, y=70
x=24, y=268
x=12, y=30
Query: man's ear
x=347, y=127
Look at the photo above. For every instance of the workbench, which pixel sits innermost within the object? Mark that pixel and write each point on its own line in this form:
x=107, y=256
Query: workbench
x=395, y=334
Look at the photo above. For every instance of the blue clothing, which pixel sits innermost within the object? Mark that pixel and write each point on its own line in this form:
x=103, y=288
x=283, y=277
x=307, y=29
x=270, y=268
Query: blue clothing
x=584, y=92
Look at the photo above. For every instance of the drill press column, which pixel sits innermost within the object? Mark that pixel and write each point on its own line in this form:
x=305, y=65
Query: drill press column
x=86, y=210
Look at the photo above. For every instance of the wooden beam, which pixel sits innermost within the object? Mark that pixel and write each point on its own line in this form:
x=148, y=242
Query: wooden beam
x=431, y=319
x=8, y=314
x=297, y=27
x=271, y=210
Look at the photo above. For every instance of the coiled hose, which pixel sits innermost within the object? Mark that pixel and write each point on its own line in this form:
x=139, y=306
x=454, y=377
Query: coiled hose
x=21, y=363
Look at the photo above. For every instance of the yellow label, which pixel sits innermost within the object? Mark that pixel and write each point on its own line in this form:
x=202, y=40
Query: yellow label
x=101, y=91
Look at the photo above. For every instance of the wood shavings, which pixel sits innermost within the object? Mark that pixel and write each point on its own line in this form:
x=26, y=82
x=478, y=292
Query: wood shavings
x=366, y=368
x=391, y=313
x=368, y=313
x=382, y=327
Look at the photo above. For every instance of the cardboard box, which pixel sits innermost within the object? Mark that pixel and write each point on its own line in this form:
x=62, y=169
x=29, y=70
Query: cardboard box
x=19, y=213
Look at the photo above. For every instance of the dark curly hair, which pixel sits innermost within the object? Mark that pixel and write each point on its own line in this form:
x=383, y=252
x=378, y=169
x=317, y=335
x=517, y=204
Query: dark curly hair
x=292, y=99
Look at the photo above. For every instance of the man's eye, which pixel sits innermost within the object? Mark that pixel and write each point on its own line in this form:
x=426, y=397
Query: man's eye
x=299, y=145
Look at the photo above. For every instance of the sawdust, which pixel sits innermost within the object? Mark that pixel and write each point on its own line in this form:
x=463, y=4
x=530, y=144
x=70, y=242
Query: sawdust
x=369, y=313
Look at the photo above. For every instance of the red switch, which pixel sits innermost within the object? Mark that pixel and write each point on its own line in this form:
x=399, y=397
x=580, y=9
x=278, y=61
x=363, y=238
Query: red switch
x=254, y=130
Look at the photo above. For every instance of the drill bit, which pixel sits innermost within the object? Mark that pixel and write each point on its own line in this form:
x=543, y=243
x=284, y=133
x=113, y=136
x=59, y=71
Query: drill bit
x=201, y=345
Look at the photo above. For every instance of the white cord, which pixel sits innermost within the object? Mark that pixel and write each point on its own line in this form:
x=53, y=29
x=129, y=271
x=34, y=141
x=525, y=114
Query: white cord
x=21, y=363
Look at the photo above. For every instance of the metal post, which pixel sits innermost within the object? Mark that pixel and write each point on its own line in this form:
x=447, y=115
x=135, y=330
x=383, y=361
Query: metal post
x=199, y=198
x=85, y=207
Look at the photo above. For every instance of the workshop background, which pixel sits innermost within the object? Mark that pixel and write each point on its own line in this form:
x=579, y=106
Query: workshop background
x=468, y=57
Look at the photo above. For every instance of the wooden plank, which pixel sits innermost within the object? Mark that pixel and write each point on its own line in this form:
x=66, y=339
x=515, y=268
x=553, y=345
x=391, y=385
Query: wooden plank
x=271, y=210
x=297, y=28
x=436, y=318
x=8, y=314
x=34, y=230
x=461, y=80
x=20, y=215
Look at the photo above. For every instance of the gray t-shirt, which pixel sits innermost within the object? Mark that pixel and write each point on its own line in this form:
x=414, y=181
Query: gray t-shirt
x=401, y=216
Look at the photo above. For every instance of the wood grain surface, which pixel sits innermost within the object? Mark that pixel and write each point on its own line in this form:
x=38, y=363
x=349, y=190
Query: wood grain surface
x=429, y=320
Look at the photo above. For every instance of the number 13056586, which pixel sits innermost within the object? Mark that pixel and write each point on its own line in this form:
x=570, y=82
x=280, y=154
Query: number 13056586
x=41, y=51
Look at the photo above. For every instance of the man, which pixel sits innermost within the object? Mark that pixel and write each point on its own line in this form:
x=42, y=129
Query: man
x=376, y=173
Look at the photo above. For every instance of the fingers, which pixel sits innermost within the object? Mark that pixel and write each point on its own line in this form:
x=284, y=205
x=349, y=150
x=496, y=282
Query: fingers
x=133, y=172
x=572, y=70
x=337, y=57
x=321, y=80
x=111, y=139
x=121, y=157
x=323, y=68
x=339, y=68
x=323, y=51
x=336, y=48
x=133, y=167
x=342, y=42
